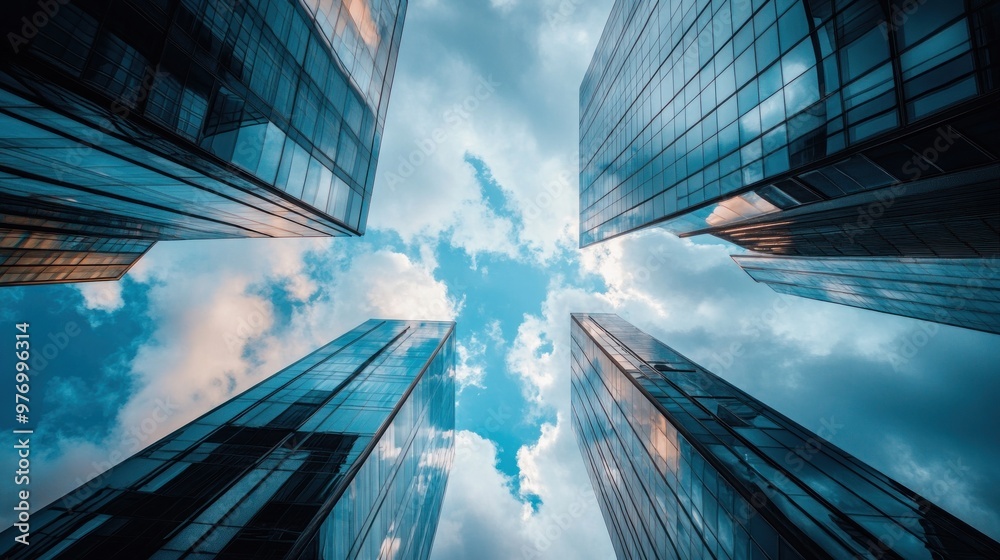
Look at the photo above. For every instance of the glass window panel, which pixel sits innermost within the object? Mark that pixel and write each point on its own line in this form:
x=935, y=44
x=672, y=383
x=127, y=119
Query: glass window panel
x=729, y=139
x=727, y=113
x=775, y=139
x=873, y=126
x=776, y=163
x=792, y=26
x=942, y=98
x=942, y=46
x=798, y=60
x=725, y=84
x=764, y=17
x=802, y=92
x=769, y=81
x=772, y=111
x=918, y=22
x=864, y=54
x=767, y=47
x=270, y=157
x=748, y=98
x=746, y=67
x=742, y=11
x=249, y=146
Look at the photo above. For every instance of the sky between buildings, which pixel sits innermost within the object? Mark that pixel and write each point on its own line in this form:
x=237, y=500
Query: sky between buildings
x=475, y=219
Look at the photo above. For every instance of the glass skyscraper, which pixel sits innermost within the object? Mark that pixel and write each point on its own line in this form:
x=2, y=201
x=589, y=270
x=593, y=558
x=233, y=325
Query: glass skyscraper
x=961, y=292
x=817, y=125
x=343, y=454
x=806, y=128
x=686, y=465
x=127, y=122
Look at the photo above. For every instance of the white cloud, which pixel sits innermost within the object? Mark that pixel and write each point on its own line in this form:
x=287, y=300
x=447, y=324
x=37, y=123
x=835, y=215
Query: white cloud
x=695, y=299
x=477, y=506
x=389, y=547
x=425, y=188
x=470, y=371
x=673, y=285
x=503, y=5
x=524, y=129
x=539, y=354
x=946, y=479
x=101, y=296
x=214, y=333
x=480, y=229
x=481, y=518
x=380, y=284
x=514, y=107
x=494, y=331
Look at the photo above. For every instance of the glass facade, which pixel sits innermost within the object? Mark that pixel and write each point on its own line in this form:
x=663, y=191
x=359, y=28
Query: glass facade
x=958, y=222
x=700, y=114
x=343, y=454
x=686, y=465
x=194, y=119
x=28, y=257
x=960, y=292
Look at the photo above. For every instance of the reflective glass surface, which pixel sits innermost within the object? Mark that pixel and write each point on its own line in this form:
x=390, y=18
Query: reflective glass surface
x=28, y=257
x=951, y=216
x=198, y=119
x=961, y=292
x=344, y=454
x=696, y=114
x=686, y=465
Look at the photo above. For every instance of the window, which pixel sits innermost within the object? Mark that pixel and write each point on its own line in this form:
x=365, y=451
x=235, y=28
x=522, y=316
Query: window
x=863, y=55
x=938, y=72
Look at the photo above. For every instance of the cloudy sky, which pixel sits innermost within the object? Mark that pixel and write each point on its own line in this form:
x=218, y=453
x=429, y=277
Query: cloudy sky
x=474, y=219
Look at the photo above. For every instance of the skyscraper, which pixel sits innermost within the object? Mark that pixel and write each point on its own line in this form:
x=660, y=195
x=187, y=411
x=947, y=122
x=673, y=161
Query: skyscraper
x=960, y=292
x=816, y=125
x=806, y=128
x=131, y=122
x=686, y=465
x=343, y=454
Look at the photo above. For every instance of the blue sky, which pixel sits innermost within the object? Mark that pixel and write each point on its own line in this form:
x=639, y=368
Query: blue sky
x=483, y=231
